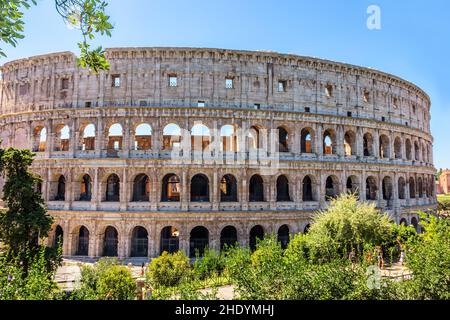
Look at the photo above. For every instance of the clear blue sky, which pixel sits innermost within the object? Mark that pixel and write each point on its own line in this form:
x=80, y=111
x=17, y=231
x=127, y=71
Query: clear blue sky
x=413, y=43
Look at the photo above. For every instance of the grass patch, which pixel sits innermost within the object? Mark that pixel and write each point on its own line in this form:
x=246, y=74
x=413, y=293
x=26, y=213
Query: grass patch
x=443, y=197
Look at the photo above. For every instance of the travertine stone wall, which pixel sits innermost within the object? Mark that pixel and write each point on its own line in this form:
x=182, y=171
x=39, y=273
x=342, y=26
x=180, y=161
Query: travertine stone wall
x=51, y=92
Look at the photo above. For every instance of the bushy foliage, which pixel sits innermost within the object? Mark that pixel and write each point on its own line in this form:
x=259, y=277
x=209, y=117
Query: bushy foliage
x=211, y=263
x=168, y=269
x=428, y=257
x=38, y=284
x=106, y=280
x=345, y=225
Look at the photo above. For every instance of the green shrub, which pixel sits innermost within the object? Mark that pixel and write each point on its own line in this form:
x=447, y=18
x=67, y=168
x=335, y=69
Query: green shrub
x=168, y=269
x=212, y=262
x=116, y=283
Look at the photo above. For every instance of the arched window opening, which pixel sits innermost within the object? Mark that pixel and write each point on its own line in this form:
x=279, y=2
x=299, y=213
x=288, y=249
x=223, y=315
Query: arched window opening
x=397, y=148
x=171, y=188
x=283, y=236
x=416, y=151
x=349, y=143
x=143, y=137
x=368, y=145
x=307, y=189
x=62, y=138
x=61, y=191
x=403, y=222
x=228, y=237
x=59, y=236
x=198, y=242
x=306, y=229
x=328, y=142
x=110, y=242
x=331, y=188
x=387, y=188
x=115, y=137
x=283, y=189
x=86, y=188
x=408, y=148
x=371, y=189
x=171, y=136
x=352, y=185
x=256, y=189
x=256, y=234
x=88, y=137
x=415, y=224
x=384, y=146
x=199, y=188
x=40, y=139
x=283, y=139
x=306, y=141
x=229, y=138
x=83, y=242
x=401, y=188
x=113, y=188
x=254, y=138
x=228, y=188
x=170, y=240
x=141, y=188
x=200, y=137
x=412, y=188
x=139, y=242
x=420, y=187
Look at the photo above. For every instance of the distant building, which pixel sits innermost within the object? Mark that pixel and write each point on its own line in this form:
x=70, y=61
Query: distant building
x=443, y=186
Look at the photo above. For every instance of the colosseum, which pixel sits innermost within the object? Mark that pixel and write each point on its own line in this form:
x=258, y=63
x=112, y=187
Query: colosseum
x=182, y=148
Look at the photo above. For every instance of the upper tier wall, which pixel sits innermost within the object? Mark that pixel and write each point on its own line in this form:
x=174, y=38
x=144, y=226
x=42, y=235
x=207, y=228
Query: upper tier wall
x=54, y=81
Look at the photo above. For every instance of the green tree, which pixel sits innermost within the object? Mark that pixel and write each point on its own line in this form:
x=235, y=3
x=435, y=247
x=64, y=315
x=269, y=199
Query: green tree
x=106, y=280
x=345, y=225
x=428, y=258
x=87, y=15
x=25, y=220
x=168, y=269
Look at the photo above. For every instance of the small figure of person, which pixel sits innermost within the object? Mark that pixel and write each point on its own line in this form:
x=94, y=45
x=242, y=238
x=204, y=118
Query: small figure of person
x=352, y=256
x=402, y=257
x=142, y=269
x=380, y=258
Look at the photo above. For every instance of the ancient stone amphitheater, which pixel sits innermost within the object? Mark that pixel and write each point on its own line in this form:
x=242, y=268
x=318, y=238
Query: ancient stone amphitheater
x=179, y=148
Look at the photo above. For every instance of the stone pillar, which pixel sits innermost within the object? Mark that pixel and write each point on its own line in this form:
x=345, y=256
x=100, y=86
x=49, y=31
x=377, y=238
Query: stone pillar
x=340, y=140
x=319, y=139
x=96, y=196
x=215, y=191
x=124, y=185
x=359, y=142
x=185, y=194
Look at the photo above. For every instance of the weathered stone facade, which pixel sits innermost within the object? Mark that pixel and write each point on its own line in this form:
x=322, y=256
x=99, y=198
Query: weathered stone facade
x=299, y=129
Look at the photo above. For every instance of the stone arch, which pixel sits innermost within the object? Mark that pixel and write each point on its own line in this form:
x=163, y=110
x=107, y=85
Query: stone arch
x=228, y=136
x=329, y=142
x=115, y=137
x=39, y=139
x=368, y=145
x=139, y=242
x=142, y=137
x=228, y=237
x=283, y=193
x=200, y=188
x=416, y=151
x=283, y=139
x=112, y=188
x=169, y=239
x=256, y=189
x=198, y=241
x=371, y=188
x=308, y=188
x=408, y=148
x=61, y=189
x=256, y=232
x=387, y=188
x=88, y=137
x=307, y=140
x=420, y=187
x=283, y=236
x=58, y=237
x=228, y=188
x=62, y=138
x=171, y=188
x=200, y=137
x=331, y=187
x=81, y=241
x=397, y=148
x=352, y=185
x=384, y=151
x=85, y=191
x=110, y=242
x=141, y=188
x=401, y=188
x=412, y=188
x=171, y=136
x=349, y=143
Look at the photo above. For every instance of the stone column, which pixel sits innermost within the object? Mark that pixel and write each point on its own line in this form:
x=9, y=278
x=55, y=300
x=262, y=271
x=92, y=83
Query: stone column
x=319, y=140
x=124, y=185
x=215, y=191
x=96, y=196
x=359, y=142
x=340, y=140
x=185, y=194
